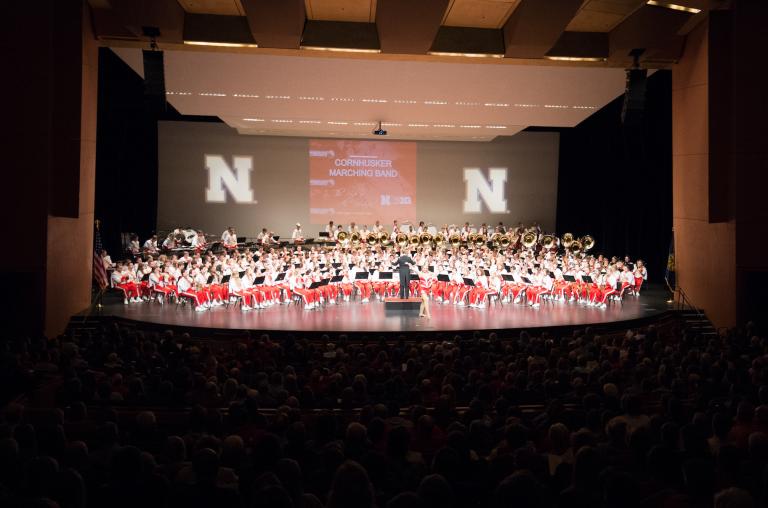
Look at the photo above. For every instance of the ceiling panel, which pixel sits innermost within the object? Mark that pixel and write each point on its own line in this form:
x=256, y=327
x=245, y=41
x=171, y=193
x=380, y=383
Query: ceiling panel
x=602, y=15
x=270, y=94
x=361, y=11
x=222, y=7
x=479, y=13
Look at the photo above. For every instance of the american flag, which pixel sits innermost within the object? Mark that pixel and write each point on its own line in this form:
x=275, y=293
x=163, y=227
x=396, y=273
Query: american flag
x=99, y=272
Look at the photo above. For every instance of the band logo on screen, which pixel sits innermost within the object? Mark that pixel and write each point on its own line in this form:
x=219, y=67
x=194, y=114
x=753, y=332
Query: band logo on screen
x=361, y=181
x=492, y=191
x=236, y=181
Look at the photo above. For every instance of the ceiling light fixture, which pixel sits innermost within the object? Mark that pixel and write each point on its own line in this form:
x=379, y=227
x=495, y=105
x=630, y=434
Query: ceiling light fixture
x=253, y=119
x=341, y=50
x=674, y=7
x=221, y=44
x=245, y=95
x=576, y=58
x=468, y=55
x=435, y=103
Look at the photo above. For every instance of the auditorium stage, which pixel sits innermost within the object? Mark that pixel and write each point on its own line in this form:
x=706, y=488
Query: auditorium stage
x=371, y=318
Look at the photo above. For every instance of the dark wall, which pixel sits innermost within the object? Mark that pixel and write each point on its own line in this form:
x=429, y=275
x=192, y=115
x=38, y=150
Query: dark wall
x=615, y=183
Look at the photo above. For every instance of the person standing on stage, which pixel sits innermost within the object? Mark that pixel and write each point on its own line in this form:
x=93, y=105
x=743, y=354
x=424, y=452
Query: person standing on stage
x=403, y=264
x=298, y=235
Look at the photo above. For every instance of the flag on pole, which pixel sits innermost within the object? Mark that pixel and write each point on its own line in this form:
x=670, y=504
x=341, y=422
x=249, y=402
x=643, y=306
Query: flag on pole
x=99, y=271
x=669, y=274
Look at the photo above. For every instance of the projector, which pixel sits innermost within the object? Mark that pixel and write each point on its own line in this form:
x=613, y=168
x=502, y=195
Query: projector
x=379, y=131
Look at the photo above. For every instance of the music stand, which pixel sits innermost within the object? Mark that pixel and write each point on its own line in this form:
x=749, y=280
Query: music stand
x=361, y=275
x=443, y=278
x=468, y=282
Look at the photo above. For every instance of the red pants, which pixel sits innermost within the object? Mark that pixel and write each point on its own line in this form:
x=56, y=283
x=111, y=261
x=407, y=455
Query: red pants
x=638, y=284
x=534, y=294
x=365, y=289
x=477, y=295
x=166, y=290
x=309, y=296
x=130, y=289
x=200, y=297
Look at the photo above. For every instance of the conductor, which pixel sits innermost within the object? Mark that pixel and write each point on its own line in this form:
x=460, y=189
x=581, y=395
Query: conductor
x=403, y=264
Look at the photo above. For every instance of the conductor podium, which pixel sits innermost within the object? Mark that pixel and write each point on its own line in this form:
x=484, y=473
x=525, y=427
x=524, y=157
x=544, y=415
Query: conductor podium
x=402, y=306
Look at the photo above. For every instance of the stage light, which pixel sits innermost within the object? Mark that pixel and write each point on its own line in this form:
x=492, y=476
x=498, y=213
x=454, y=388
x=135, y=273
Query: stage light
x=341, y=50
x=674, y=7
x=468, y=55
x=379, y=131
x=221, y=44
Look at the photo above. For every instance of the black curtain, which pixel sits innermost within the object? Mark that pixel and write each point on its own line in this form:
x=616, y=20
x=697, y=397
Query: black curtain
x=126, y=152
x=615, y=181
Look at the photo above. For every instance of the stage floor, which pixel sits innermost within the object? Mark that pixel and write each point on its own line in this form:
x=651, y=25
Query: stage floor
x=356, y=317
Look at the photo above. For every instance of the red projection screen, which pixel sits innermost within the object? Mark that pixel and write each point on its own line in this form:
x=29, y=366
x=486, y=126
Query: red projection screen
x=361, y=181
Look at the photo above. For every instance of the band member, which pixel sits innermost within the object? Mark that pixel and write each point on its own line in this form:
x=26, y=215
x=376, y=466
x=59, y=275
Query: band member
x=150, y=246
x=330, y=228
x=641, y=275
x=133, y=246
x=264, y=237
x=298, y=235
x=229, y=239
x=124, y=280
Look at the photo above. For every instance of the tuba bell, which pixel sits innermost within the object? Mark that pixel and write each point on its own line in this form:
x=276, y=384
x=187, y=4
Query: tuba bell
x=529, y=239
x=567, y=240
x=480, y=240
x=355, y=238
x=496, y=239
x=414, y=240
x=439, y=239
x=471, y=238
x=455, y=240
x=401, y=239
x=547, y=241
x=371, y=239
x=384, y=239
x=425, y=238
x=575, y=247
x=342, y=237
x=505, y=240
x=587, y=242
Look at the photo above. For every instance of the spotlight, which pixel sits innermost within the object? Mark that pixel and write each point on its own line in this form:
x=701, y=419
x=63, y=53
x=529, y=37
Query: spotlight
x=379, y=131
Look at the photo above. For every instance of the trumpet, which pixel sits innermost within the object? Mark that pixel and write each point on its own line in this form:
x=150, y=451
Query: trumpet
x=425, y=238
x=414, y=239
x=567, y=240
x=529, y=239
x=480, y=240
x=547, y=241
x=355, y=238
x=401, y=239
x=455, y=240
x=371, y=239
x=587, y=242
x=439, y=238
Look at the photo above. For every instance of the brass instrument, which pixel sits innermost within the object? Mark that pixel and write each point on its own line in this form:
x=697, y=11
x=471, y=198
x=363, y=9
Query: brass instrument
x=547, y=241
x=575, y=247
x=414, y=240
x=439, y=238
x=567, y=240
x=496, y=239
x=472, y=238
x=587, y=242
x=355, y=238
x=529, y=239
x=401, y=239
x=425, y=238
x=455, y=240
x=480, y=240
x=343, y=236
x=372, y=239
x=505, y=240
x=384, y=239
